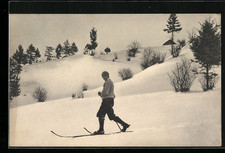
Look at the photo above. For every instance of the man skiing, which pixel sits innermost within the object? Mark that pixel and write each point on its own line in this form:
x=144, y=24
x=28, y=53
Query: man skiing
x=106, y=107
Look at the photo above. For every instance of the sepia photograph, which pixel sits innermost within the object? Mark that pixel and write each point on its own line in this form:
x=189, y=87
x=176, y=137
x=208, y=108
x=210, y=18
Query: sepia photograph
x=115, y=80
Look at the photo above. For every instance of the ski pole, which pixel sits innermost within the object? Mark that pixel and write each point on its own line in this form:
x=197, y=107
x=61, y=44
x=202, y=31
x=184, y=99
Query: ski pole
x=118, y=126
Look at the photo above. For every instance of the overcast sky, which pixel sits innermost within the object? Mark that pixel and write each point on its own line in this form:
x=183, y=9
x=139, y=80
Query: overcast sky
x=115, y=31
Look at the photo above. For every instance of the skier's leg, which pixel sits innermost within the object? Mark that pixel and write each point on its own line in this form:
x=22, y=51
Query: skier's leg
x=110, y=111
x=124, y=124
x=101, y=126
x=101, y=117
x=112, y=116
x=101, y=123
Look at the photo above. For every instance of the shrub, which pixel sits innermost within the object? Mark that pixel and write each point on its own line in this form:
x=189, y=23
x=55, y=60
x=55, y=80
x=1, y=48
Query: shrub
x=212, y=82
x=40, y=94
x=182, y=77
x=73, y=96
x=176, y=51
x=133, y=48
x=101, y=53
x=107, y=50
x=158, y=58
x=128, y=59
x=84, y=87
x=125, y=73
x=147, y=59
x=181, y=43
x=131, y=52
x=80, y=94
x=115, y=56
x=92, y=53
x=150, y=58
x=161, y=57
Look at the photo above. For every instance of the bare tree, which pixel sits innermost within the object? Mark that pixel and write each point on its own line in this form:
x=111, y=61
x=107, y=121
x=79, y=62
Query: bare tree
x=133, y=48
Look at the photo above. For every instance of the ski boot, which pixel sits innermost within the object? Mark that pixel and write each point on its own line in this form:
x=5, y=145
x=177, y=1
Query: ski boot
x=99, y=132
x=125, y=127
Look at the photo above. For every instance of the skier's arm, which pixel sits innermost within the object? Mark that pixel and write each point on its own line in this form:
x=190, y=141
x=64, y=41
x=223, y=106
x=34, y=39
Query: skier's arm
x=99, y=93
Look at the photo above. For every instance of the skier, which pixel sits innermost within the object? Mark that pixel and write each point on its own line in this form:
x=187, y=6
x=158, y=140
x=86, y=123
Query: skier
x=106, y=107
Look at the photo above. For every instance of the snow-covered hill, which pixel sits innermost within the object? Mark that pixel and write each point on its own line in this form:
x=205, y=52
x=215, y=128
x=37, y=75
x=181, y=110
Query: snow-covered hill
x=61, y=78
x=158, y=116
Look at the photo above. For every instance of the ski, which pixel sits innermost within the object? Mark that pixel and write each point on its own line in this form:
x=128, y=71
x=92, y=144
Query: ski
x=72, y=136
x=91, y=133
x=85, y=135
x=88, y=130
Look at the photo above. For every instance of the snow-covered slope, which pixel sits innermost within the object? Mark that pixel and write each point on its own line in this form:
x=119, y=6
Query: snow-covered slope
x=158, y=116
x=157, y=119
x=61, y=78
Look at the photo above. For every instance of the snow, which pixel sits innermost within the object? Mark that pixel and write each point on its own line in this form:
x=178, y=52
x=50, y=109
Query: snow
x=158, y=115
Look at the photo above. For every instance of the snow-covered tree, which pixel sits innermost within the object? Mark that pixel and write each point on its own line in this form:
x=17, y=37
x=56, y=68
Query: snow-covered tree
x=20, y=56
x=74, y=48
x=59, y=51
x=87, y=48
x=37, y=54
x=66, y=48
x=31, y=52
x=15, y=69
x=206, y=46
x=48, y=53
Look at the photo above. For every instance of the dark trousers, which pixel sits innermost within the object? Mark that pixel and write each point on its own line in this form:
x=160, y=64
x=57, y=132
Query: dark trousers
x=106, y=108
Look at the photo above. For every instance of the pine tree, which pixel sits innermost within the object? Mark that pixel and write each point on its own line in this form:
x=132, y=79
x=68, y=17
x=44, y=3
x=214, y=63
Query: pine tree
x=48, y=53
x=25, y=59
x=19, y=55
x=206, y=46
x=107, y=50
x=66, y=48
x=37, y=54
x=93, y=38
x=87, y=48
x=14, y=87
x=15, y=69
x=173, y=25
x=74, y=48
x=58, y=51
x=31, y=54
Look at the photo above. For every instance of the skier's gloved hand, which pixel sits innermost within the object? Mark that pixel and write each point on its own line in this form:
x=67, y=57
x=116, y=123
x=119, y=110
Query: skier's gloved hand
x=99, y=93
